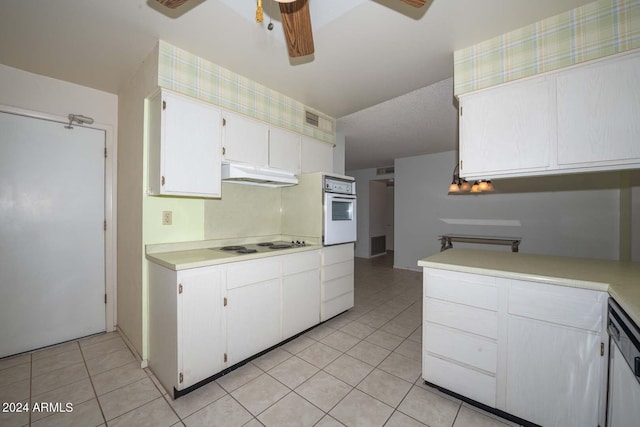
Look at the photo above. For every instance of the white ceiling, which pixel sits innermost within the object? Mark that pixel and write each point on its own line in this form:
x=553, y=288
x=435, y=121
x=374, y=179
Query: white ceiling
x=366, y=52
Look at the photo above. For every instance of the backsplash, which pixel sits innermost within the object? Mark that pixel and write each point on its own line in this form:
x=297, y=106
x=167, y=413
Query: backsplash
x=592, y=31
x=191, y=75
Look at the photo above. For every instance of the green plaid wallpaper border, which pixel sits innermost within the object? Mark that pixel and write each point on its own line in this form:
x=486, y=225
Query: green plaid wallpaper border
x=592, y=31
x=191, y=75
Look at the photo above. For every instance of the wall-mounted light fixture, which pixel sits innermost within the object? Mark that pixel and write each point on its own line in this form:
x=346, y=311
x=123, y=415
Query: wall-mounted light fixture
x=462, y=186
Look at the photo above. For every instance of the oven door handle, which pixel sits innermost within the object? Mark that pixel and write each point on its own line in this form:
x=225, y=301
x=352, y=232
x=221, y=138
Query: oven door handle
x=349, y=199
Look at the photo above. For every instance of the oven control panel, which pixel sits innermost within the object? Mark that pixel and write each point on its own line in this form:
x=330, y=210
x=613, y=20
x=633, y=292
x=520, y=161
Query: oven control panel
x=335, y=185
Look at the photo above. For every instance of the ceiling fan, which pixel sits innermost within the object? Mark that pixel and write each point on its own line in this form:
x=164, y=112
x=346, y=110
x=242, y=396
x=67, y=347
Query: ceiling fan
x=296, y=22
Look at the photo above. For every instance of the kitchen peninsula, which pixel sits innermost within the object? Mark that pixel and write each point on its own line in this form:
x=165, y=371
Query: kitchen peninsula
x=524, y=334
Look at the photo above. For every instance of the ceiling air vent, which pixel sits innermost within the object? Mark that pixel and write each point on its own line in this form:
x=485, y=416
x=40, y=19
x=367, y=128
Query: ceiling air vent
x=323, y=123
x=385, y=171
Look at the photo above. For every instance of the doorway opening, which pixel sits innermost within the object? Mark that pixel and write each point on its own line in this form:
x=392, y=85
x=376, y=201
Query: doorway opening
x=381, y=216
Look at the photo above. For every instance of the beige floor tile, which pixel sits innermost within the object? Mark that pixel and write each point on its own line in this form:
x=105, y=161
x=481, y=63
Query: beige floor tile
x=55, y=379
x=14, y=374
x=297, y=345
x=98, y=338
x=416, y=335
x=197, y=399
x=103, y=347
x=9, y=362
x=14, y=417
x=338, y=322
x=401, y=366
x=329, y=421
x=118, y=377
x=358, y=409
x=239, y=377
x=156, y=413
x=291, y=411
x=372, y=319
x=384, y=339
x=253, y=423
x=319, y=355
x=410, y=349
x=429, y=408
x=15, y=392
x=398, y=419
x=157, y=382
x=127, y=398
x=470, y=416
x=57, y=361
x=323, y=390
x=75, y=393
x=260, y=393
x=340, y=341
x=55, y=350
x=348, y=369
x=108, y=361
x=397, y=328
x=86, y=414
x=369, y=353
x=385, y=387
x=358, y=330
x=319, y=332
x=223, y=412
x=271, y=359
x=293, y=372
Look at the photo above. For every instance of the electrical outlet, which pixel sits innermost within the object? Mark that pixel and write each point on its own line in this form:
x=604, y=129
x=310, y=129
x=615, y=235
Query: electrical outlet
x=167, y=217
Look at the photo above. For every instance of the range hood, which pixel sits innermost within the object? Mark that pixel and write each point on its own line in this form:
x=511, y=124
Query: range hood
x=251, y=175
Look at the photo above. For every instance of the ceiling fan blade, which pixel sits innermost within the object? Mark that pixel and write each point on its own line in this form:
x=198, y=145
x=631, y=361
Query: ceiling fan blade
x=296, y=22
x=415, y=3
x=171, y=4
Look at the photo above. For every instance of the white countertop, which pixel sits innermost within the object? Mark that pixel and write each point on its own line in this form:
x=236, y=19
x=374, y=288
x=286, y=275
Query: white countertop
x=183, y=258
x=620, y=279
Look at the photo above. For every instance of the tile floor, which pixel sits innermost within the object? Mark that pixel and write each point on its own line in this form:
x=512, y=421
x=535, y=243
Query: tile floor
x=361, y=368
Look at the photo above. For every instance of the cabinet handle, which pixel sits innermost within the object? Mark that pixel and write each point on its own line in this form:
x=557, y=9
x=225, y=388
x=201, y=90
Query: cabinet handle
x=224, y=121
x=164, y=105
x=162, y=181
x=224, y=151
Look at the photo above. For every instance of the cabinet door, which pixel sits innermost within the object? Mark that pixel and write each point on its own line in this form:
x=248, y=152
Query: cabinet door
x=201, y=339
x=317, y=156
x=245, y=140
x=598, y=111
x=300, y=302
x=553, y=374
x=284, y=150
x=507, y=130
x=253, y=319
x=184, y=146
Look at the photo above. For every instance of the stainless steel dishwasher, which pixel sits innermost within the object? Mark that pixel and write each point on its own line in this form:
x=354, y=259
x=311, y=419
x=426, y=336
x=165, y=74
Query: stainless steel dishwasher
x=623, y=407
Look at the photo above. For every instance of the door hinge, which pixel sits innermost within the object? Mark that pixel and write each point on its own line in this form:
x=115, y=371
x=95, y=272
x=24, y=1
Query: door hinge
x=225, y=357
x=105, y=225
x=162, y=181
x=460, y=166
x=460, y=111
x=224, y=304
x=164, y=105
x=181, y=377
x=601, y=349
x=224, y=121
x=180, y=288
x=224, y=151
x=105, y=152
x=105, y=298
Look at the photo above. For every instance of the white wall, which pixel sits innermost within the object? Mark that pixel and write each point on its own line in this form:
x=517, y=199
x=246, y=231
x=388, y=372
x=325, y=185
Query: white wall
x=389, y=216
x=635, y=215
x=572, y=215
x=338, y=154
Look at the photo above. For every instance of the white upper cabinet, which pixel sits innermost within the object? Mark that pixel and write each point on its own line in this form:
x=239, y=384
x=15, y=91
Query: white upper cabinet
x=284, y=150
x=184, y=146
x=245, y=140
x=599, y=113
x=581, y=119
x=317, y=156
x=507, y=129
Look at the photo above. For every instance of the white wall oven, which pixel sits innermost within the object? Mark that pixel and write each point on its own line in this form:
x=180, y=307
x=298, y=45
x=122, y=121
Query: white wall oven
x=339, y=211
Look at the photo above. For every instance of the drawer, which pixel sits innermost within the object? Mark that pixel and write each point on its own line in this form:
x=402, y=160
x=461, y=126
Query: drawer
x=462, y=347
x=338, y=253
x=337, y=287
x=579, y=308
x=334, y=271
x=330, y=308
x=297, y=263
x=463, y=288
x=467, y=382
x=469, y=319
x=247, y=272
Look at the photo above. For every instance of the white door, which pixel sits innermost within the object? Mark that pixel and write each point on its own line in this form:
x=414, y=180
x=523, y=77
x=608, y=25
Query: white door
x=52, y=272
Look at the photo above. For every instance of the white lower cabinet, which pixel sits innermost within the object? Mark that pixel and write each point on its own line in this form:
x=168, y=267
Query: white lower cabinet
x=186, y=325
x=530, y=349
x=337, y=280
x=300, y=293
